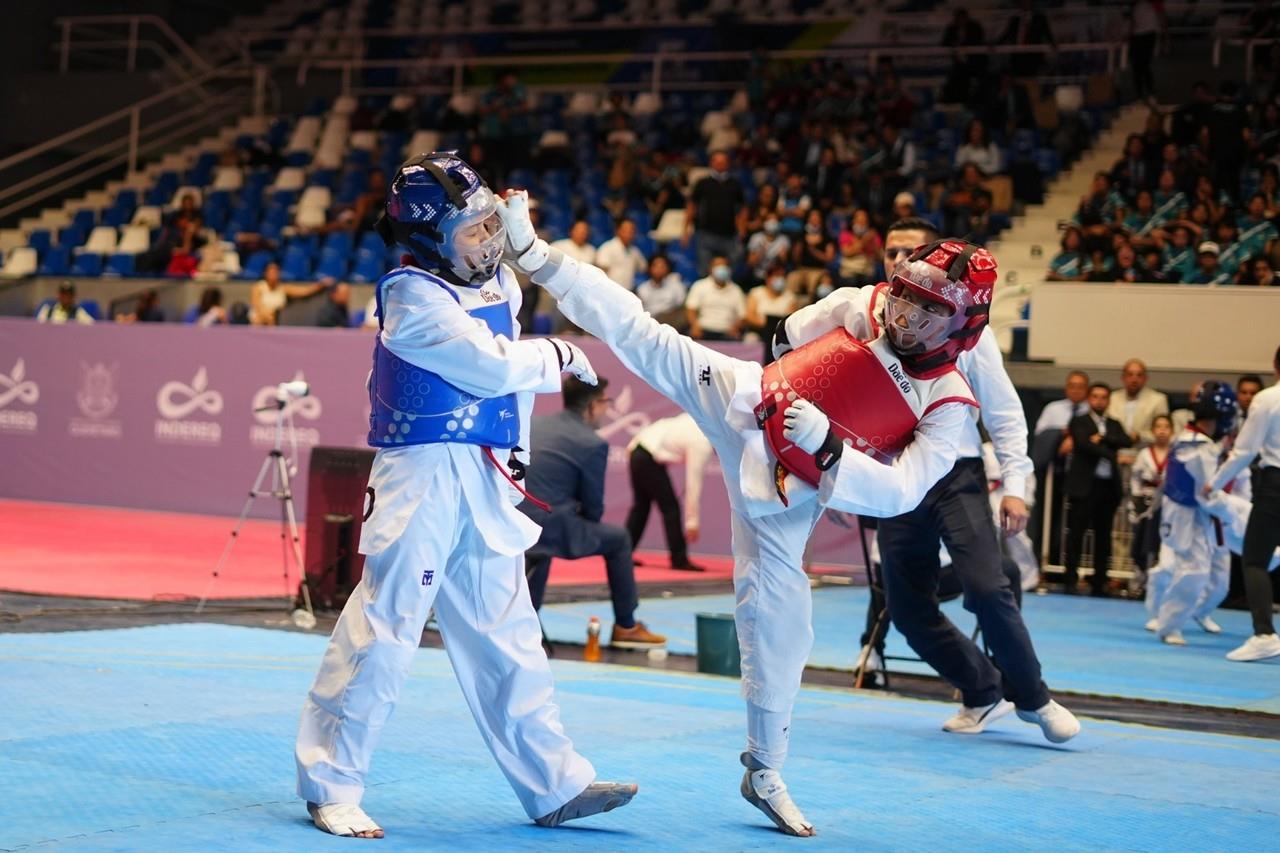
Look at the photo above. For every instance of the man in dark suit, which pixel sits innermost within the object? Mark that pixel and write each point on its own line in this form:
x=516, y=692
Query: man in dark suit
x=1093, y=486
x=567, y=472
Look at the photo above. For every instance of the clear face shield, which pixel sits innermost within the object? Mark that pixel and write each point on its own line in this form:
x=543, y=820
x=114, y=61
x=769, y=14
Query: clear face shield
x=474, y=238
x=915, y=323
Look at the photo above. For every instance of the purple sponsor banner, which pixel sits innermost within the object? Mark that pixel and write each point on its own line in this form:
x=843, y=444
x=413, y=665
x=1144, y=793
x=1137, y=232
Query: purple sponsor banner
x=162, y=417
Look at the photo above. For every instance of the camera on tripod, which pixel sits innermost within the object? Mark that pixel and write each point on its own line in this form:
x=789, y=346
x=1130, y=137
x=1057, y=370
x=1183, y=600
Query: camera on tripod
x=296, y=388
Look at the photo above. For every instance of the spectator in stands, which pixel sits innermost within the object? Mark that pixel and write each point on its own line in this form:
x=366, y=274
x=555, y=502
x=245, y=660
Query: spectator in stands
x=979, y=150
x=904, y=206
x=1207, y=270
x=1138, y=406
x=967, y=70
x=1178, y=258
x=1169, y=201
x=1027, y=26
x=568, y=472
x=810, y=256
x=1099, y=208
x=334, y=313
x=1127, y=269
x=1145, y=481
x=1099, y=265
x=173, y=251
x=1246, y=387
x=504, y=125
x=860, y=250
x=1093, y=486
x=269, y=295
x=1257, y=272
x=1131, y=172
x=660, y=185
x=145, y=310
x=1068, y=264
x=1256, y=228
x=1227, y=124
x=369, y=204
x=1190, y=117
x=1008, y=106
x=210, y=311
x=662, y=294
x=716, y=214
x=895, y=109
x=577, y=245
x=65, y=309
x=766, y=246
x=1152, y=265
x=766, y=205
x=768, y=305
x=897, y=156
x=716, y=305
x=619, y=256
x=1146, y=25
x=825, y=179
x=1233, y=253
x=968, y=206
x=793, y=206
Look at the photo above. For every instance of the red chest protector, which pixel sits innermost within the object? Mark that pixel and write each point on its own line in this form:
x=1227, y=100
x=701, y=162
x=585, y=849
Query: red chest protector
x=872, y=410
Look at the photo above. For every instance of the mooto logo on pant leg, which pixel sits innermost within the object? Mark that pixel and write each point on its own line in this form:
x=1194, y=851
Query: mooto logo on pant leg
x=180, y=406
x=300, y=409
x=17, y=393
x=97, y=399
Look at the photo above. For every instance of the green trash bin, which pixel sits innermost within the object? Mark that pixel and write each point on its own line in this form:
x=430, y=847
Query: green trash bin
x=718, y=644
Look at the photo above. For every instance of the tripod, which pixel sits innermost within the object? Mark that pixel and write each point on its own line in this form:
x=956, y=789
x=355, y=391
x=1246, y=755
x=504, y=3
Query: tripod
x=281, y=488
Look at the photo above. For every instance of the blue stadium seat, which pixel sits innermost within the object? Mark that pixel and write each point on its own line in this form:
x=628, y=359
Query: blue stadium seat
x=87, y=264
x=91, y=308
x=369, y=266
x=371, y=241
x=84, y=220
x=339, y=240
x=191, y=314
x=40, y=240
x=357, y=319
x=120, y=264
x=115, y=216
x=56, y=261
x=127, y=198
x=71, y=236
x=254, y=266
x=296, y=265
x=333, y=264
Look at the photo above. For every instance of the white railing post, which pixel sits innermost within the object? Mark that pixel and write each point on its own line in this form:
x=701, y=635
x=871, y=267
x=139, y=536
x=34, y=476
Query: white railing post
x=135, y=122
x=64, y=63
x=132, y=58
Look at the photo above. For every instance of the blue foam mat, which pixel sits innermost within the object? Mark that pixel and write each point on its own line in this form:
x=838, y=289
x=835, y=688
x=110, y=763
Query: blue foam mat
x=180, y=738
x=1085, y=645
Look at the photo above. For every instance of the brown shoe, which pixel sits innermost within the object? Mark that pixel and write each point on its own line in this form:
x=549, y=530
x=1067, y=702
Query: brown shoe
x=635, y=638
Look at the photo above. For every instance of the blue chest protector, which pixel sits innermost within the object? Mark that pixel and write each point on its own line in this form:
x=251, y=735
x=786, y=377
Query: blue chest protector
x=1179, y=485
x=409, y=405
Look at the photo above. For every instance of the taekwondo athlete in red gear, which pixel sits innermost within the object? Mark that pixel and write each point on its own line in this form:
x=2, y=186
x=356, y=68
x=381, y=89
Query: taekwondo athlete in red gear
x=451, y=393
x=775, y=510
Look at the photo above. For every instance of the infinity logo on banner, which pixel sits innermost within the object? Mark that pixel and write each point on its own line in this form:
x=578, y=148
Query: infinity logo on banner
x=16, y=388
x=197, y=394
x=176, y=400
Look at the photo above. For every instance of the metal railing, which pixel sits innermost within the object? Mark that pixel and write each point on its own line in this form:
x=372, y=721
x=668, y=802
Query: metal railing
x=124, y=137
x=90, y=28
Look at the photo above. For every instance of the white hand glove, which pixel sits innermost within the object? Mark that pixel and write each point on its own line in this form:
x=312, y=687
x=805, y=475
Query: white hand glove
x=524, y=246
x=573, y=360
x=805, y=425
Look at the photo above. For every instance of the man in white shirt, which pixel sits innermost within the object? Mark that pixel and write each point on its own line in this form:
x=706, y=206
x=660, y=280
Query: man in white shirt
x=716, y=305
x=662, y=293
x=619, y=258
x=1260, y=438
x=1138, y=406
x=576, y=245
x=66, y=309
x=670, y=441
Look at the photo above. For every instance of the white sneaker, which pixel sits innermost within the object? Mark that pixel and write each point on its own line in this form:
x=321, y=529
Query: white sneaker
x=872, y=666
x=1058, y=724
x=1173, y=638
x=1152, y=624
x=972, y=721
x=1209, y=626
x=1257, y=647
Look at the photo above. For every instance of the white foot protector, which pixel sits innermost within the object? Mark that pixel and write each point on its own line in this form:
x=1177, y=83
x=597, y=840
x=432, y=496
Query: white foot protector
x=345, y=819
x=765, y=790
x=596, y=798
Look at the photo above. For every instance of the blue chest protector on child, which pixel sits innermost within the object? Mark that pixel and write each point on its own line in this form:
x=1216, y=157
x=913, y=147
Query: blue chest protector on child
x=1179, y=485
x=409, y=405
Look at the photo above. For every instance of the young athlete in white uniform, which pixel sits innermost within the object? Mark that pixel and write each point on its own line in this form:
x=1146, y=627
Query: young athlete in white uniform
x=451, y=384
x=885, y=438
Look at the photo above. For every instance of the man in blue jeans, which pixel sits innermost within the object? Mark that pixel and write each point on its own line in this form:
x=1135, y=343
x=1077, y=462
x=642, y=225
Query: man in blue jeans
x=567, y=473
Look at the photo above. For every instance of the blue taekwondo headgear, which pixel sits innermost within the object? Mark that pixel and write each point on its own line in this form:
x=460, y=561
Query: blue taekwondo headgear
x=445, y=215
x=1216, y=401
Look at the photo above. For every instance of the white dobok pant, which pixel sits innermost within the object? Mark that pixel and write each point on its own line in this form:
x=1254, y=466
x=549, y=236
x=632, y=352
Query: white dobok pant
x=1194, y=571
x=493, y=638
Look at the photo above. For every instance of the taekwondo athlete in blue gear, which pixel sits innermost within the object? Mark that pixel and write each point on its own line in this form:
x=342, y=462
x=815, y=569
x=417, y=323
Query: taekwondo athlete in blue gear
x=1191, y=522
x=451, y=383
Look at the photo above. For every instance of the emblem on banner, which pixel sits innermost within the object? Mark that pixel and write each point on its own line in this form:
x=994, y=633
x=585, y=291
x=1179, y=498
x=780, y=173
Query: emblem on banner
x=17, y=390
x=176, y=400
x=97, y=399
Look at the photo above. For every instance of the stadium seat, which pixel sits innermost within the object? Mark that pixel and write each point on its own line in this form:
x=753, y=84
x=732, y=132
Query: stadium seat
x=191, y=314
x=40, y=240
x=56, y=261
x=102, y=241
x=176, y=201
x=22, y=261
x=134, y=240
x=670, y=226
x=87, y=264
x=148, y=215
x=369, y=266
x=71, y=236
x=423, y=142
x=290, y=178
x=333, y=264
x=296, y=265
x=257, y=263
x=84, y=220
x=91, y=308
x=119, y=264
x=228, y=178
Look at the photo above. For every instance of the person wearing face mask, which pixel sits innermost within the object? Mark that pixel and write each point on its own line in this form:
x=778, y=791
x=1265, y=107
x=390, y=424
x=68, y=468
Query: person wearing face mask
x=860, y=249
x=863, y=426
x=716, y=305
x=766, y=246
x=811, y=256
x=768, y=305
x=909, y=542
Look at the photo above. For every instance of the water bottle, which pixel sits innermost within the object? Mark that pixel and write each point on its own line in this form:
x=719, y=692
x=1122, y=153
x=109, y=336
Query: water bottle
x=592, y=652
